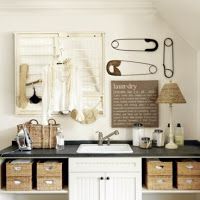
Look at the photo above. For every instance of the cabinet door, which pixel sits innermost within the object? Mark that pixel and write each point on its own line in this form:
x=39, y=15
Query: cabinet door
x=86, y=186
x=123, y=186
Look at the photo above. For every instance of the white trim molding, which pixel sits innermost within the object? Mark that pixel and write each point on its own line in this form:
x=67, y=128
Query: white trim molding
x=137, y=6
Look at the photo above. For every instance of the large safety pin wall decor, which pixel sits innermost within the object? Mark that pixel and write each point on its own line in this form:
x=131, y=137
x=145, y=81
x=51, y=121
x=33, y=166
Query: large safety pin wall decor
x=126, y=41
x=168, y=43
x=114, y=65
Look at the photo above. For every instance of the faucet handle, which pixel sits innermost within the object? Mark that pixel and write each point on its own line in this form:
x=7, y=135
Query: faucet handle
x=99, y=133
x=116, y=132
x=100, y=137
x=108, y=141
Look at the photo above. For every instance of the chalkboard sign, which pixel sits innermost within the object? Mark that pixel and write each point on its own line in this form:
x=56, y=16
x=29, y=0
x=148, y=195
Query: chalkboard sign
x=134, y=101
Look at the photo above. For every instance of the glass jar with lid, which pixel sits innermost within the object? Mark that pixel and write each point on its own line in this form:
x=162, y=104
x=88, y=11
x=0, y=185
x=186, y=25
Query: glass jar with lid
x=137, y=133
x=158, y=138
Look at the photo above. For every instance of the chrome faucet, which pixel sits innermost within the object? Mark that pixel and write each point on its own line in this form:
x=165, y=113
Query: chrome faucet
x=101, y=139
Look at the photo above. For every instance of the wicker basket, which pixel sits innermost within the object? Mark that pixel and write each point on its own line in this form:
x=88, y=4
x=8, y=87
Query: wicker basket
x=49, y=169
x=156, y=167
x=49, y=183
x=18, y=169
x=159, y=174
x=19, y=176
x=159, y=182
x=188, y=182
x=188, y=168
x=49, y=175
x=19, y=183
x=42, y=136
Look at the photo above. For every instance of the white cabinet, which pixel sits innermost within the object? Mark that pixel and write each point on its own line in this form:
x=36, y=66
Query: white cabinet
x=86, y=186
x=122, y=186
x=105, y=179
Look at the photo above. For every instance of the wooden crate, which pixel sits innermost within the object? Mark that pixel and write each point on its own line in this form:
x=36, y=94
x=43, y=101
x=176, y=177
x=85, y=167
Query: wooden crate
x=49, y=169
x=18, y=169
x=49, y=183
x=19, y=183
x=188, y=182
x=188, y=168
x=157, y=167
x=159, y=182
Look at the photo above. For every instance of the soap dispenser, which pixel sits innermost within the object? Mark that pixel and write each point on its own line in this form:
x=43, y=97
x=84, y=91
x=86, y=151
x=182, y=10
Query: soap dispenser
x=179, y=135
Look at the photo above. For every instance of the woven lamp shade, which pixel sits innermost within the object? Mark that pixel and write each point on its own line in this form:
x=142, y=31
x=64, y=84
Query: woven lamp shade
x=171, y=93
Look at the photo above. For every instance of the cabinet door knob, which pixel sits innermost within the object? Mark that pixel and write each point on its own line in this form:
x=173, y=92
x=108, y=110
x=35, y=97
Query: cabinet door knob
x=101, y=178
x=107, y=178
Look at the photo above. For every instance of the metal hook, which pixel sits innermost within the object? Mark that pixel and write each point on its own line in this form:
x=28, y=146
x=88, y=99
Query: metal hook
x=116, y=43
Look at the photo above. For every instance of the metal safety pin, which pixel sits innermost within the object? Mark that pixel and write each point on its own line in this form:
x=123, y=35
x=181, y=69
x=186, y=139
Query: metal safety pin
x=116, y=43
x=116, y=71
x=168, y=42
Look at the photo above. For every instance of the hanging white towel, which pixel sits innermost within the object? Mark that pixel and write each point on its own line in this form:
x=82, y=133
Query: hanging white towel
x=63, y=92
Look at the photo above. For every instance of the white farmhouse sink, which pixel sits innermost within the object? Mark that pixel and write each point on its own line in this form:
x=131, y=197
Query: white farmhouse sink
x=104, y=149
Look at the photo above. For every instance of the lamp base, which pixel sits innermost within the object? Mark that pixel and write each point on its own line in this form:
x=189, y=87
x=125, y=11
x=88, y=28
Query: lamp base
x=171, y=145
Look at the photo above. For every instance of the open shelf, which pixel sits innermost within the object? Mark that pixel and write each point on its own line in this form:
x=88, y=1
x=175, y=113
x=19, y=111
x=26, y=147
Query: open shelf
x=34, y=191
x=172, y=191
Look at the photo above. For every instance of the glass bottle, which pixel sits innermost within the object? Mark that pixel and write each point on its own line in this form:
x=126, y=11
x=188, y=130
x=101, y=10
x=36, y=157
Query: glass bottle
x=167, y=133
x=59, y=139
x=179, y=135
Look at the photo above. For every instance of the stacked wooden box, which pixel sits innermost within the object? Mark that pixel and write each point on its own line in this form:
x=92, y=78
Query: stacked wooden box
x=19, y=175
x=159, y=175
x=49, y=175
x=188, y=175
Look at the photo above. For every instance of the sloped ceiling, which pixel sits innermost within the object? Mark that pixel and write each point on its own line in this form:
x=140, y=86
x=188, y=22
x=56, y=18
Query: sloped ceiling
x=183, y=16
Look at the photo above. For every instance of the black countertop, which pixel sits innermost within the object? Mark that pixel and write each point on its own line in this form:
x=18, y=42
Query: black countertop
x=190, y=149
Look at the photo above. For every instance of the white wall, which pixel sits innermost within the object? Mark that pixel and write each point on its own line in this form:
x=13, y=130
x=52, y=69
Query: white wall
x=115, y=25
x=183, y=17
x=198, y=93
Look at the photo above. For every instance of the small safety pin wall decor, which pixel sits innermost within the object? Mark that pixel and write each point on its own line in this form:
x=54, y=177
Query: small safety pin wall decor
x=126, y=41
x=168, y=44
x=114, y=65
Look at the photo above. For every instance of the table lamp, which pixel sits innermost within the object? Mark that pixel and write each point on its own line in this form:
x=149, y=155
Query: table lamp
x=171, y=94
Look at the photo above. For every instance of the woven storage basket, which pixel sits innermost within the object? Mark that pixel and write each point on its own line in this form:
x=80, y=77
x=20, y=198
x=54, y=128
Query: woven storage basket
x=42, y=136
x=49, y=175
x=156, y=167
x=19, y=176
x=188, y=168
x=19, y=183
x=49, y=183
x=49, y=169
x=18, y=169
x=159, y=182
x=188, y=182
